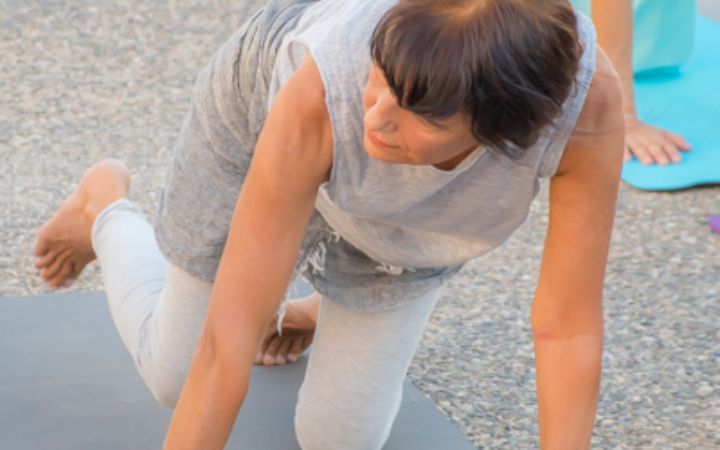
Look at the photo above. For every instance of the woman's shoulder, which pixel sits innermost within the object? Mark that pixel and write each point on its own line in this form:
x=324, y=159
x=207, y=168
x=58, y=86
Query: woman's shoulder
x=301, y=102
x=306, y=90
x=600, y=125
x=602, y=109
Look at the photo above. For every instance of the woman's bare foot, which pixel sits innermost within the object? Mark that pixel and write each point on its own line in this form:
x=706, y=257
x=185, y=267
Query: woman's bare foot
x=298, y=327
x=63, y=246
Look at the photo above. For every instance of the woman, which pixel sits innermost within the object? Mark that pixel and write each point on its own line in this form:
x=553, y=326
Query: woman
x=374, y=148
x=659, y=38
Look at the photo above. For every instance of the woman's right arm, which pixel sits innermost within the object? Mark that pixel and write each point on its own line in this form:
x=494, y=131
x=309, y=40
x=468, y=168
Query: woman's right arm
x=292, y=158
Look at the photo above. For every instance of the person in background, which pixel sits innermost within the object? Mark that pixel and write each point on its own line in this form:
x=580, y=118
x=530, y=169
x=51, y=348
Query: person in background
x=663, y=37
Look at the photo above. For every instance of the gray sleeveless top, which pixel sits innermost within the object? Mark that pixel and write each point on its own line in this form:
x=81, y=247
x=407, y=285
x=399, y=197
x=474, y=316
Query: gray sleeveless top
x=382, y=234
x=409, y=216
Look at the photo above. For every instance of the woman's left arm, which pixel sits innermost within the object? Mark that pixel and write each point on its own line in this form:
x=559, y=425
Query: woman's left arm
x=567, y=312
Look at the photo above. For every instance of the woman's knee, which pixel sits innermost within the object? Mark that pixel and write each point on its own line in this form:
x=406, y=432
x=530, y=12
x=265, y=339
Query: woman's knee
x=329, y=425
x=165, y=388
x=166, y=397
x=164, y=377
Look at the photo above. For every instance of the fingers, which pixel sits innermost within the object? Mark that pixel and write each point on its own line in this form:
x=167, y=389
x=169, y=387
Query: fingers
x=640, y=150
x=296, y=348
x=652, y=152
x=274, y=351
x=271, y=350
x=671, y=152
x=677, y=140
x=269, y=337
x=651, y=145
x=659, y=153
x=299, y=345
x=271, y=328
x=258, y=358
x=280, y=350
x=627, y=155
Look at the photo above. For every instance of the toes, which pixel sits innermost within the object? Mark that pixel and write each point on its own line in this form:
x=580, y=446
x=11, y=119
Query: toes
x=54, y=268
x=68, y=282
x=77, y=264
x=45, y=260
x=58, y=280
x=69, y=270
x=42, y=244
x=76, y=267
x=45, y=254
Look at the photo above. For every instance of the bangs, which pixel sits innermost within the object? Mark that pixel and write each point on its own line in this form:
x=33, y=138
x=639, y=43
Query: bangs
x=422, y=59
x=509, y=65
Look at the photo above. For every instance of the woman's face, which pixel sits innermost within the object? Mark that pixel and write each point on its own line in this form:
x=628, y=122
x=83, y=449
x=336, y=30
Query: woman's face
x=395, y=135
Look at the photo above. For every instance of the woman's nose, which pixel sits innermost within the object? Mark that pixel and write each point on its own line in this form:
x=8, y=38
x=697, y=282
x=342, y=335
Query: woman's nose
x=380, y=116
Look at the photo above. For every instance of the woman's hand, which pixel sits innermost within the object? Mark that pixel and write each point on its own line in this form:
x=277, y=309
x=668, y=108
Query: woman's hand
x=651, y=145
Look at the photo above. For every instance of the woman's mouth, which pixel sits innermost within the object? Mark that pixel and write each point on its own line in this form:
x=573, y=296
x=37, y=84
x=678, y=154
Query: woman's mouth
x=377, y=141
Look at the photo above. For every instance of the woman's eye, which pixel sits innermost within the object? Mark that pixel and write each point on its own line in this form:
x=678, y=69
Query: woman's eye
x=431, y=123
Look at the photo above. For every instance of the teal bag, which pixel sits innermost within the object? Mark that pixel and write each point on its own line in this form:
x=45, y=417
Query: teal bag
x=663, y=32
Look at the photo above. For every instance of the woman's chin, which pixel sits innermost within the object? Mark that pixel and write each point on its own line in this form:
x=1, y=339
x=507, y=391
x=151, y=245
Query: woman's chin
x=388, y=158
x=378, y=154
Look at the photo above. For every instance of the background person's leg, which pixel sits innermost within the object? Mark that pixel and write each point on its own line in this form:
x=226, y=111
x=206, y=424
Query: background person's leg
x=353, y=385
x=158, y=309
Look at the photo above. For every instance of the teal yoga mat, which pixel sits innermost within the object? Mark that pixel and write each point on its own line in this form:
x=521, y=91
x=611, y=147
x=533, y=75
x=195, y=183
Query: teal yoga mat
x=686, y=101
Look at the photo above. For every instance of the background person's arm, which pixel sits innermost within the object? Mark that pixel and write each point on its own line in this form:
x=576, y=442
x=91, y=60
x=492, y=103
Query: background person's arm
x=614, y=23
x=291, y=160
x=567, y=312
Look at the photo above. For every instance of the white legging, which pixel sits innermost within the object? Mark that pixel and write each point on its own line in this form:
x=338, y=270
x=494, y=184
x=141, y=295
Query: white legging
x=358, y=360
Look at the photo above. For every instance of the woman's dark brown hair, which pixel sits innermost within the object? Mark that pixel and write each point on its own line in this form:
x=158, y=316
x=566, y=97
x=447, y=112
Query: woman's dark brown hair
x=508, y=64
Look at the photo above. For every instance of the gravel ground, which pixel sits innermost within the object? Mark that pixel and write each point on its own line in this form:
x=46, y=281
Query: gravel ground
x=83, y=80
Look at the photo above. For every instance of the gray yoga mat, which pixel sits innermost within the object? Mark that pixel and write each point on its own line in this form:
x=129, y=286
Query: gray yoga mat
x=68, y=383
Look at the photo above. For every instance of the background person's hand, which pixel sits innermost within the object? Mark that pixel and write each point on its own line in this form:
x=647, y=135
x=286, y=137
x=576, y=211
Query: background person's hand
x=651, y=145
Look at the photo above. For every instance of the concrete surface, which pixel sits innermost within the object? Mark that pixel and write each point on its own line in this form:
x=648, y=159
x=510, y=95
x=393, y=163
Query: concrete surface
x=84, y=80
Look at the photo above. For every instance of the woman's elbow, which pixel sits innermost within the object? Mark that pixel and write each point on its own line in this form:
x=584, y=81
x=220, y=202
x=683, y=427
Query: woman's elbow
x=230, y=349
x=564, y=326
